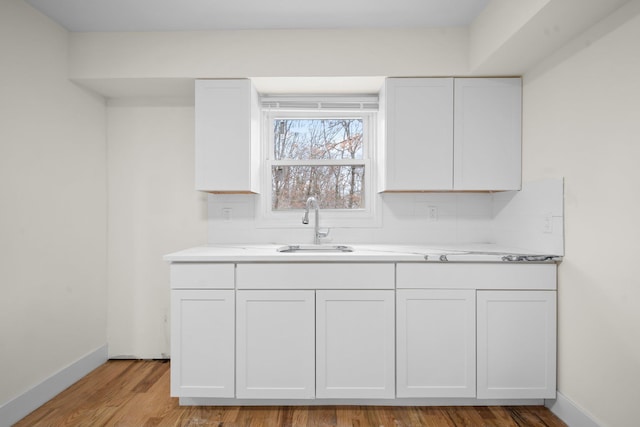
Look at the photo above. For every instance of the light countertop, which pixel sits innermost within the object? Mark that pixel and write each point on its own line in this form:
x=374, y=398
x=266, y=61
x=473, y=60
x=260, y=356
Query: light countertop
x=361, y=253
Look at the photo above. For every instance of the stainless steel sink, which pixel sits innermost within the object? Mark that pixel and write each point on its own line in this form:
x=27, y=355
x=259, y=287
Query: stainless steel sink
x=314, y=248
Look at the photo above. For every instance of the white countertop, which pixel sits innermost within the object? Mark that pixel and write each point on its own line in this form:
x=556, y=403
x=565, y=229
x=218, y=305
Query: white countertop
x=361, y=253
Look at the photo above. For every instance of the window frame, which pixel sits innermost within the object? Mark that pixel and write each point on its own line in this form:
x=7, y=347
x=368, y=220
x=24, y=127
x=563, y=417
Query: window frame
x=361, y=217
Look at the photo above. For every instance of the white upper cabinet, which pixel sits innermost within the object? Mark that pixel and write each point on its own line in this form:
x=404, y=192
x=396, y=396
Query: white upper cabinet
x=487, y=134
x=450, y=134
x=227, y=145
x=418, y=153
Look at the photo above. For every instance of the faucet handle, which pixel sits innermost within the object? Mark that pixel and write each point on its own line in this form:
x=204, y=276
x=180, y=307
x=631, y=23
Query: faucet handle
x=323, y=232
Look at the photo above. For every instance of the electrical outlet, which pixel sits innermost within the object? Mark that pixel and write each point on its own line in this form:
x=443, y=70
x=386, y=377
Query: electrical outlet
x=432, y=213
x=227, y=214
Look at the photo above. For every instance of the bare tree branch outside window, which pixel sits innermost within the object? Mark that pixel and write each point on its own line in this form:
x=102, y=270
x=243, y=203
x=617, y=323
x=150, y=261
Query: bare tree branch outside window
x=321, y=158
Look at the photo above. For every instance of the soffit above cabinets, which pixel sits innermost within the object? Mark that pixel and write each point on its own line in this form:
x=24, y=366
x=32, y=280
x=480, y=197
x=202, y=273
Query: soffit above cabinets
x=184, y=87
x=125, y=64
x=199, y=15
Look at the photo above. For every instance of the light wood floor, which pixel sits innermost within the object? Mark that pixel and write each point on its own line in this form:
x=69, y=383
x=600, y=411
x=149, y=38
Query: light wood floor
x=136, y=394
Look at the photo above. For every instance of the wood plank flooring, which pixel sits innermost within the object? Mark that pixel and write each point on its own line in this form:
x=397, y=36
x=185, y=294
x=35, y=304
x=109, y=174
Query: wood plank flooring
x=128, y=393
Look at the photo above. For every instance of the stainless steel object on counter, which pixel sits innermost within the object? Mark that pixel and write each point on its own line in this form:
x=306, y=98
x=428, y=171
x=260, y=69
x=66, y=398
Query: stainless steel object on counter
x=480, y=256
x=528, y=258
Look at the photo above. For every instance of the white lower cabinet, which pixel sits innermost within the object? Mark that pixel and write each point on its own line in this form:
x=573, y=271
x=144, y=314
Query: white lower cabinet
x=202, y=344
x=355, y=344
x=288, y=347
x=442, y=330
x=275, y=344
x=516, y=344
x=436, y=343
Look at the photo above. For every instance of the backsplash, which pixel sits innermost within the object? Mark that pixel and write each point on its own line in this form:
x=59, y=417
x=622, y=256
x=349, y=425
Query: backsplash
x=531, y=219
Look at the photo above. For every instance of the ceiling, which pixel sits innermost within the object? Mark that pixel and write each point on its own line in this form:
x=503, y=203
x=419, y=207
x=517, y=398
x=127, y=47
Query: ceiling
x=197, y=15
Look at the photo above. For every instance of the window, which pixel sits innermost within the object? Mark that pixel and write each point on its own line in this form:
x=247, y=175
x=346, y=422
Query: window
x=320, y=157
x=325, y=153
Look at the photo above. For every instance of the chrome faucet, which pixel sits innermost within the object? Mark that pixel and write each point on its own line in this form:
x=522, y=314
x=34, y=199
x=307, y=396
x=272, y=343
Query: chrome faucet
x=312, y=203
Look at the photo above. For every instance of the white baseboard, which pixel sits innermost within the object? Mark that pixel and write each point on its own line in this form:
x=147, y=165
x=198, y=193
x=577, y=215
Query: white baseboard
x=403, y=401
x=572, y=414
x=21, y=406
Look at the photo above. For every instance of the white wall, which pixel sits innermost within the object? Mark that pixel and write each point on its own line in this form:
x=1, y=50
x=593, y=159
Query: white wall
x=532, y=218
x=153, y=210
x=582, y=121
x=461, y=218
x=269, y=53
x=52, y=205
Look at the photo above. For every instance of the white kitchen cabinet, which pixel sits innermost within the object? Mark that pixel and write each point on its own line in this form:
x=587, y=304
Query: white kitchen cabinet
x=355, y=344
x=436, y=343
x=202, y=275
x=275, y=344
x=227, y=144
x=487, y=134
x=202, y=343
x=516, y=344
x=307, y=275
x=476, y=275
x=409, y=331
x=450, y=134
x=417, y=119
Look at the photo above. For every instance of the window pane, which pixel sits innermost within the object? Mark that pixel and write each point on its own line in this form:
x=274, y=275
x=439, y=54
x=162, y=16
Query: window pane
x=305, y=139
x=335, y=187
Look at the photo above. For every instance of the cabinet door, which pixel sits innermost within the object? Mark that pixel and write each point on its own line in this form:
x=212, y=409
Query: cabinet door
x=487, y=135
x=418, y=153
x=355, y=344
x=226, y=136
x=202, y=343
x=516, y=344
x=436, y=343
x=275, y=344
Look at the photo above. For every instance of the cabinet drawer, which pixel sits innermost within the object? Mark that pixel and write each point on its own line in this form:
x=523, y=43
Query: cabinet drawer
x=202, y=276
x=476, y=276
x=315, y=276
